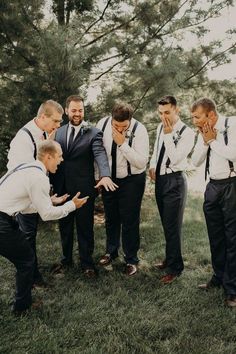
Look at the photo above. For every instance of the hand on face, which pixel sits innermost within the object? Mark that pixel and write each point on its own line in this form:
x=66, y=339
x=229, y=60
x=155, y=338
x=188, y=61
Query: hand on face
x=167, y=125
x=152, y=174
x=119, y=138
x=208, y=132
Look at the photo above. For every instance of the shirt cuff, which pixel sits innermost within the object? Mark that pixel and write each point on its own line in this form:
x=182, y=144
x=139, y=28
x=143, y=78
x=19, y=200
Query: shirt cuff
x=70, y=206
x=124, y=147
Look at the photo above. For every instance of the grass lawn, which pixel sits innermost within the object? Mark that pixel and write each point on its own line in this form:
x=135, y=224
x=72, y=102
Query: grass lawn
x=116, y=314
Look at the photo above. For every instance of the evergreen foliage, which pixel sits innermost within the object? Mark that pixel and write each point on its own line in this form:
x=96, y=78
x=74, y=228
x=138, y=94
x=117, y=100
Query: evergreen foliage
x=132, y=49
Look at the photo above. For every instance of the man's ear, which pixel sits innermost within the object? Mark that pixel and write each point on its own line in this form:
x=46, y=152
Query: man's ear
x=177, y=110
x=66, y=111
x=212, y=117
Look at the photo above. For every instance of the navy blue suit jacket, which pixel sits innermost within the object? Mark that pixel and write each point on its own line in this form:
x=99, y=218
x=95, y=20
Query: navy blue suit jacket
x=76, y=172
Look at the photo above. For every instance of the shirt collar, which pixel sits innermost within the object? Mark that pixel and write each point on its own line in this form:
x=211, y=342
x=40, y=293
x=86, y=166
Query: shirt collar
x=41, y=165
x=178, y=125
x=77, y=127
x=37, y=130
x=220, y=123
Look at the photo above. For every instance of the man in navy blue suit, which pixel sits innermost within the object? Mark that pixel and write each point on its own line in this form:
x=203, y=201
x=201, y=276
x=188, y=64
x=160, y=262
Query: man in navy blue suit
x=81, y=145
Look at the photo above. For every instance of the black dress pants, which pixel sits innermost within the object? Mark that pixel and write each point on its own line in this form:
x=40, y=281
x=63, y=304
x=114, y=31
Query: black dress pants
x=28, y=224
x=171, y=191
x=15, y=248
x=220, y=213
x=122, y=215
x=83, y=218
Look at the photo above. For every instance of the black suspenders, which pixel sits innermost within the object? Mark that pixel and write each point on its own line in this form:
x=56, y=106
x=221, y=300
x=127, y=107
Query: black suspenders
x=231, y=165
x=179, y=133
x=32, y=139
x=18, y=168
x=130, y=139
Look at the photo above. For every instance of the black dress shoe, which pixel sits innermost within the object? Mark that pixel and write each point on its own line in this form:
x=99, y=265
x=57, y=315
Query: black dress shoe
x=20, y=313
x=36, y=305
x=209, y=285
x=231, y=301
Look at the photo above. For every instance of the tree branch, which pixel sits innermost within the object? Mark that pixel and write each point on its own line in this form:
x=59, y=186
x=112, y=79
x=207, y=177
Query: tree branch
x=141, y=99
x=108, y=32
x=206, y=63
x=111, y=67
x=95, y=22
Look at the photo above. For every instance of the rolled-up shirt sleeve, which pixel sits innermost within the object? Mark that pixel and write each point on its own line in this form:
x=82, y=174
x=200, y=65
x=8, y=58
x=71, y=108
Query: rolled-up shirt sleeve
x=39, y=195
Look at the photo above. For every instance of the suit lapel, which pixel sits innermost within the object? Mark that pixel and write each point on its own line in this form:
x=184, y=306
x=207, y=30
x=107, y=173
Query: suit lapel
x=76, y=140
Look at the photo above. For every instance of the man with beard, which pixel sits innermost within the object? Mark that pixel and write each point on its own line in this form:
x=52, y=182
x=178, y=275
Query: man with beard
x=81, y=146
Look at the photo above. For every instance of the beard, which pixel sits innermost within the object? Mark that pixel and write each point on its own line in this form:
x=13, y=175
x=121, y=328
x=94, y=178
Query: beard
x=75, y=120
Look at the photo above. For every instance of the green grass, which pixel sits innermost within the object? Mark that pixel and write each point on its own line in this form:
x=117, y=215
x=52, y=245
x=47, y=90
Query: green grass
x=116, y=314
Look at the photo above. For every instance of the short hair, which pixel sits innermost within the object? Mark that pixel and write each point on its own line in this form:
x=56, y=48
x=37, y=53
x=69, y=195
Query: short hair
x=75, y=98
x=48, y=107
x=122, y=111
x=167, y=100
x=206, y=103
x=47, y=147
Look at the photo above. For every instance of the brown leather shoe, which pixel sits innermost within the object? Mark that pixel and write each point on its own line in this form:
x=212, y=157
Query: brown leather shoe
x=161, y=265
x=105, y=260
x=168, y=278
x=40, y=285
x=231, y=301
x=89, y=273
x=131, y=269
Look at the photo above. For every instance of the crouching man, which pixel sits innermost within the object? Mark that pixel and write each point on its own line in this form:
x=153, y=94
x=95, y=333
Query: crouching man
x=26, y=189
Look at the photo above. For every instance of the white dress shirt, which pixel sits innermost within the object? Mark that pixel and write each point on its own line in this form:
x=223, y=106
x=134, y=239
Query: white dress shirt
x=220, y=153
x=136, y=155
x=21, y=147
x=176, y=153
x=27, y=191
x=77, y=129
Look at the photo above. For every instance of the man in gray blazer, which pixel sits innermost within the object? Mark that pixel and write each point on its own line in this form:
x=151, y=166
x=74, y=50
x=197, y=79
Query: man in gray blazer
x=81, y=145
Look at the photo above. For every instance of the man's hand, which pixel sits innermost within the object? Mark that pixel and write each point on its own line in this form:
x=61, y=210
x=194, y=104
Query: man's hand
x=59, y=200
x=167, y=126
x=152, y=174
x=208, y=133
x=107, y=183
x=119, y=138
x=79, y=202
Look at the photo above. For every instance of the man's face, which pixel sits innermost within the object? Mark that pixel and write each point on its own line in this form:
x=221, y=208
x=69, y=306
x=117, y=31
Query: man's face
x=120, y=126
x=54, y=160
x=75, y=112
x=51, y=123
x=169, y=112
x=200, y=117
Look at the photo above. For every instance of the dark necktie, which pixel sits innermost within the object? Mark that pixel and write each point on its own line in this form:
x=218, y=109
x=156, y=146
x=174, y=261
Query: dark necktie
x=71, y=138
x=113, y=160
x=160, y=159
x=44, y=135
x=207, y=162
